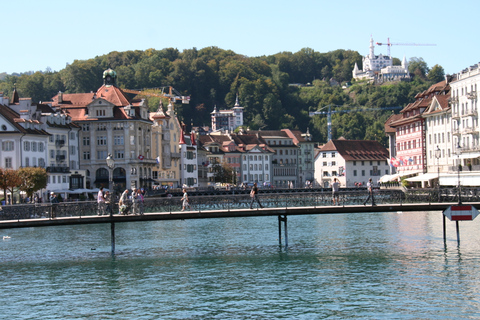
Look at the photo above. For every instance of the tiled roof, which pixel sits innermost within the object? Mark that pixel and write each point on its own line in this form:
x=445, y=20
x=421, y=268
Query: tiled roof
x=392, y=118
x=440, y=91
x=357, y=149
x=14, y=119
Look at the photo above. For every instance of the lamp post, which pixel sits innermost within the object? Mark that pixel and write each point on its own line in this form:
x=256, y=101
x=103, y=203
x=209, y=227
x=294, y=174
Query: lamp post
x=110, y=164
x=438, y=153
x=459, y=152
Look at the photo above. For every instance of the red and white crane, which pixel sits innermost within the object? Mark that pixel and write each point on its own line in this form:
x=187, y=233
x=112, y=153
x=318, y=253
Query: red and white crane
x=401, y=44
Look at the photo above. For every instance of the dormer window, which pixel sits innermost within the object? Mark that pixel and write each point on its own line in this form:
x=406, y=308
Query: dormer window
x=101, y=113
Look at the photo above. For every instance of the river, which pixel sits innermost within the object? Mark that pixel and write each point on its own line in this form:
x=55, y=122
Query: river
x=343, y=266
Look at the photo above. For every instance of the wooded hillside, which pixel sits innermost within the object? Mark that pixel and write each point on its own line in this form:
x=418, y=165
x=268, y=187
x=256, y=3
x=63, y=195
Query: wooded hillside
x=276, y=91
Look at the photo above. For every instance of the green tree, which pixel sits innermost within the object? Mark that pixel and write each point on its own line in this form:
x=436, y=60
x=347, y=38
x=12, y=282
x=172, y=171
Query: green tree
x=418, y=67
x=32, y=179
x=9, y=180
x=436, y=74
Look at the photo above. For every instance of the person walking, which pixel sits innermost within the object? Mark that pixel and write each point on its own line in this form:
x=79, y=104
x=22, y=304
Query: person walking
x=122, y=203
x=254, y=196
x=370, y=193
x=108, y=203
x=185, y=202
x=141, y=197
x=335, y=191
x=54, y=203
x=135, y=201
x=100, y=202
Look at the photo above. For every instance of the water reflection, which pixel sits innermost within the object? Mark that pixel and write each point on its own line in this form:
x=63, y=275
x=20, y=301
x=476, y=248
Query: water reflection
x=375, y=265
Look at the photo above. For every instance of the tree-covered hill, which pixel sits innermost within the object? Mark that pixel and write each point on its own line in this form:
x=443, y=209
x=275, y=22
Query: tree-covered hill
x=276, y=91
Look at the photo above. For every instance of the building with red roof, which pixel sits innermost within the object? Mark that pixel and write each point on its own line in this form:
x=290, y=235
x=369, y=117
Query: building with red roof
x=111, y=123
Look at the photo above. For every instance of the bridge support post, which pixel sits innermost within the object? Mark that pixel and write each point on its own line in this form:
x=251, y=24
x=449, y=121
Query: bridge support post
x=458, y=233
x=112, y=233
x=444, y=229
x=284, y=220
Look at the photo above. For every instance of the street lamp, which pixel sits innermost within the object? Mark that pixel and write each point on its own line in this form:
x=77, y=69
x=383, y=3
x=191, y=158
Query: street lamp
x=110, y=165
x=438, y=153
x=459, y=152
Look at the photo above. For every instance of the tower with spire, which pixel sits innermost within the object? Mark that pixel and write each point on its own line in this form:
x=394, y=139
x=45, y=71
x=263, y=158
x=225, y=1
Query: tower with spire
x=227, y=120
x=380, y=68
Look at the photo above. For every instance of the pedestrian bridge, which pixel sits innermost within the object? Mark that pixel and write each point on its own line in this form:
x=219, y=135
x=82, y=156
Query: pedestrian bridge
x=229, y=213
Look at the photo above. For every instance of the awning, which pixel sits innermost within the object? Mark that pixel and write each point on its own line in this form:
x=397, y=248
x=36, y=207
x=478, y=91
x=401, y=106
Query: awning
x=468, y=155
x=389, y=177
x=423, y=177
x=466, y=179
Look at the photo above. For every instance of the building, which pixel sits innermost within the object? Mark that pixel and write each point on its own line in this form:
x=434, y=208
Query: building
x=380, y=68
x=35, y=135
x=306, y=155
x=166, y=133
x=111, y=123
x=227, y=120
x=410, y=130
x=464, y=148
x=188, y=160
x=352, y=162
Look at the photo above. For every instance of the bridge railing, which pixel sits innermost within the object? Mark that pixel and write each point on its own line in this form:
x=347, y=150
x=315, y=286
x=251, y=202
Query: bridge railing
x=242, y=201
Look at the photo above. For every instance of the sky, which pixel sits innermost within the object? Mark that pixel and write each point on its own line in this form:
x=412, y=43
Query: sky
x=41, y=34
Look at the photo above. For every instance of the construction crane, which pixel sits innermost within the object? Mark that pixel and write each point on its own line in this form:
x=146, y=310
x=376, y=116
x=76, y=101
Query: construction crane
x=330, y=111
x=401, y=44
x=173, y=95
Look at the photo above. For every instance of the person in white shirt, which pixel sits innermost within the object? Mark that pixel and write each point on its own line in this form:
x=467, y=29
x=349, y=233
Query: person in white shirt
x=370, y=193
x=100, y=202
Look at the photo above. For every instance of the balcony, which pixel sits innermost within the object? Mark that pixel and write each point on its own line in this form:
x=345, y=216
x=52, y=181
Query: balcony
x=60, y=158
x=469, y=130
x=58, y=169
x=175, y=155
x=470, y=112
x=59, y=143
x=455, y=114
x=456, y=131
x=472, y=95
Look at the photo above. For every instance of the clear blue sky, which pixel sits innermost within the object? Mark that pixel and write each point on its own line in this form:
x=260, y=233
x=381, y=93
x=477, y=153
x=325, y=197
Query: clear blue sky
x=39, y=34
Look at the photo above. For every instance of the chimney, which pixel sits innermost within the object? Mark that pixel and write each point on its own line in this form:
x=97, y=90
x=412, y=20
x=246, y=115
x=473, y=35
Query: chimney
x=60, y=97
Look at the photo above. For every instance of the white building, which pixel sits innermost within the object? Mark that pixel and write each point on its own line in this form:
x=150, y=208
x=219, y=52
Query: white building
x=465, y=128
x=188, y=160
x=351, y=162
x=227, y=120
x=380, y=68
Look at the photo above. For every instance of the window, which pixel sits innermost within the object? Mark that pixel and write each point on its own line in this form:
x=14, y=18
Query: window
x=102, y=141
x=72, y=135
x=8, y=162
x=72, y=150
x=363, y=173
x=7, y=146
x=27, y=162
x=118, y=140
x=86, y=127
x=334, y=163
x=86, y=155
x=102, y=154
x=118, y=154
x=354, y=163
x=34, y=146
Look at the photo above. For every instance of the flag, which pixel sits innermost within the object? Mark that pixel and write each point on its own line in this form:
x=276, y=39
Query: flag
x=140, y=157
x=158, y=160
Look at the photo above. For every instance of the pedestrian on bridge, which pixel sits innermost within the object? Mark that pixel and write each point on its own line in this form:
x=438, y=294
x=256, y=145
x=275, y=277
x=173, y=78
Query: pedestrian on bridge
x=100, y=202
x=254, y=196
x=335, y=191
x=370, y=193
x=185, y=202
x=122, y=203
